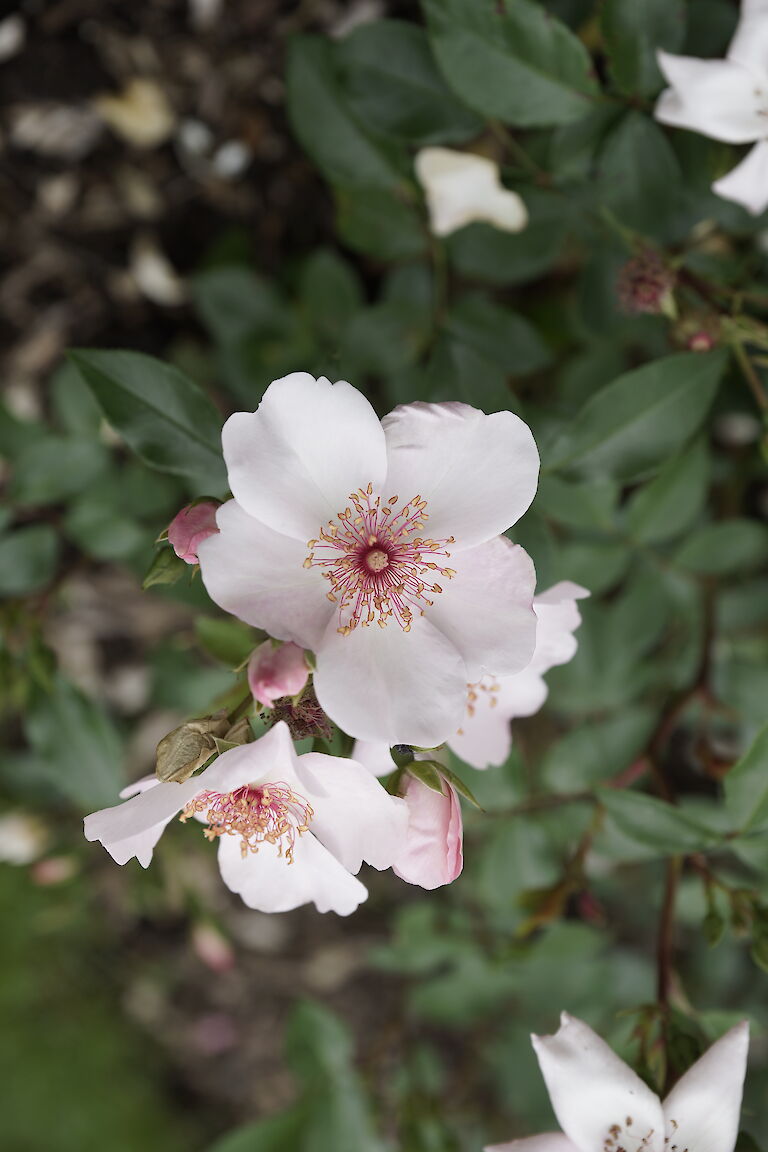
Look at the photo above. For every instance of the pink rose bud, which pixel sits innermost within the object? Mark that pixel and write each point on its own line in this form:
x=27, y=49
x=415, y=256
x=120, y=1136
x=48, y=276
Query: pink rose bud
x=190, y=527
x=276, y=672
x=212, y=947
x=432, y=853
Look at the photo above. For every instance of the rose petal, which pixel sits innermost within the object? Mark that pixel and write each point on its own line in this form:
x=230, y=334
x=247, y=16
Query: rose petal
x=548, y=1142
x=293, y=462
x=134, y=827
x=593, y=1091
x=354, y=817
x=258, y=575
x=557, y=620
x=389, y=685
x=702, y=1110
x=431, y=854
x=276, y=672
x=268, y=882
x=747, y=183
x=477, y=473
x=374, y=757
x=486, y=610
x=714, y=97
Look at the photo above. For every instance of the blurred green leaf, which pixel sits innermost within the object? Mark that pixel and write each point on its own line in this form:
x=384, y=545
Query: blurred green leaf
x=483, y=252
x=226, y=638
x=746, y=786
x=331, y=294
x=28, y=559
x=235, y=302
x=16, y=435
x=498, y=334
x=591, y=504
x=394, y=86
x=725, y=547
x=51, y=469
x=515, y=62
x=325, y=125
x=165, y=418
x=639, y=178
x=166, y=568
x=379, y=223
x=662, y=509
x=655, y=824
x=79, y=752
x=633, y=34
x=597, y=750
x=277, y=1134
x=72, y=403
x=631, y=427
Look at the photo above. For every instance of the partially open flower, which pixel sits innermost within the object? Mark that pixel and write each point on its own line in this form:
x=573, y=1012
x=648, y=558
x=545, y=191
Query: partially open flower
x=603, y=1106
x=291, y=830
x=190, y=527
x=484, y=737
x=727, y=100
x=431, y=854
x=276, y=671
x=376, y=546
x=461, y=188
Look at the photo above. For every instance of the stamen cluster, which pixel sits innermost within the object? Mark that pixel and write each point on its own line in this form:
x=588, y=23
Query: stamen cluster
x=267, y=814
x=377, y=565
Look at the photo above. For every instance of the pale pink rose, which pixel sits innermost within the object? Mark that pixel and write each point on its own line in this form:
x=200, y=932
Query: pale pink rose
x=376, y=546
x=190, y=527
x=461, y=187
x=432, y=853
x=601, y=1103
x=727, y=100
x=291, y=829
x=485, y=738
x=275, y=672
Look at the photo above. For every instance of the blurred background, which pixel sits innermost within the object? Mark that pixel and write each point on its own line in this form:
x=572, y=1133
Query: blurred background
x=153, y=197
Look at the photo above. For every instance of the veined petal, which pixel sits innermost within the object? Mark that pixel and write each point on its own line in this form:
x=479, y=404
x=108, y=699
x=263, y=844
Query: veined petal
x=258, y=575
x=485, y=737
x=134, y=827
x=266, y=760
x=486, y=610
x=354, y=817
x=548, y=1142
x=702, y=1110
x=593, y=1091
x=385, y=684
x=747, y=183
x=557, y=620
x=268, y=882
x=715, y=97
x=293, y=462
x=477, y=473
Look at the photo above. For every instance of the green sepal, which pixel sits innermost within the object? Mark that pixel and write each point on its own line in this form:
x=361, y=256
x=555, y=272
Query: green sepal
x=166, y=568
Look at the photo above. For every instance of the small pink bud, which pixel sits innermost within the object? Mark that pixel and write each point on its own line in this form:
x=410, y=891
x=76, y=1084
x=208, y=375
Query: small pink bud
x=276, y=672
x=212, y=948
x=190, y=527
x=646, y=284
x=432, y=854
x=701, y=342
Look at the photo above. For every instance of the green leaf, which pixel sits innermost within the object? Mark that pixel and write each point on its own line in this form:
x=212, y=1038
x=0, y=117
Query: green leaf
x=331, y=294
x=516, y=62
x=166, y=568
x=227, y=639
x=639, y=177
x=28, y=559
x=102, y=531
x=427, y=773
x=746, y=787
x=15, y=434
x=666, y=506
x=498, y=334
x=324, y=124
x=78, y=748
x=633, y=34
x=597, y=751
x=654, y=824
x=631, y=427
x=53, y=468
x=277, y=1134
x=725, y=547
x=484, y=253
x=72, y=403
x=591, y=504
x=394, y=86
x=165, y=418
x=234, y=302
x=457, y=782
x=379, y=223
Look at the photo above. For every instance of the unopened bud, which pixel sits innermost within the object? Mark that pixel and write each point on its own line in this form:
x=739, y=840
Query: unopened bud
x=190, y=527
x=646, y=285
x=187, y=747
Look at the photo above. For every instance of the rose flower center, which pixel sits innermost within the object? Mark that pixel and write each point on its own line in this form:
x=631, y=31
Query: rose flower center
x=378, y=565
x=266, y=814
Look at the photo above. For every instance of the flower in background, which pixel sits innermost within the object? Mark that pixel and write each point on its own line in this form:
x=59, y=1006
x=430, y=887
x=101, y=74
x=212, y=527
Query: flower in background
x=276, y=671
x=291, y=830
x=461, y=188
x=376, y=545
x=431, y=854
x=190, y=527
x=727, y=100
x=23, y=838
x=484, y=738
x=600, y=1103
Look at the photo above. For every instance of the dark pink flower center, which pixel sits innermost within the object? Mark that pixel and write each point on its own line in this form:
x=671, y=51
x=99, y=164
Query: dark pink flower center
x=378, y=565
